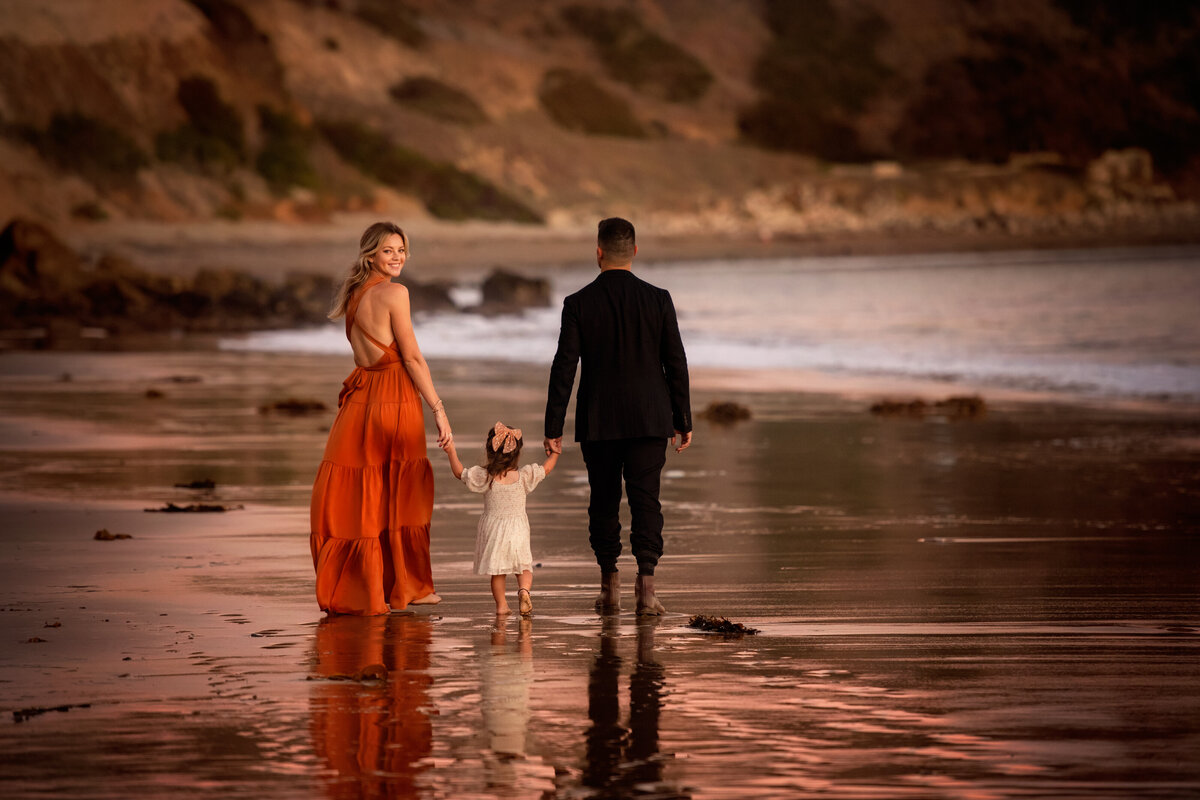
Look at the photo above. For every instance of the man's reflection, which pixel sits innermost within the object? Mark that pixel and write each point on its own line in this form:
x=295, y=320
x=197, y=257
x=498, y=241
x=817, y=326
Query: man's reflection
x=370, y=732
x=618, y=757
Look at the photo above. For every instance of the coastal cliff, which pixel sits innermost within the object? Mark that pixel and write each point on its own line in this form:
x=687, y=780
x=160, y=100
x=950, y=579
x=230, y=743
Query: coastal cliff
x=737, y=117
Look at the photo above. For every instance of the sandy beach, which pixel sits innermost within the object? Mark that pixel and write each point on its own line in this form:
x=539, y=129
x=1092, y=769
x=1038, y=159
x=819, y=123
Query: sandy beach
x=988, y=608
x=941, y=262
x=452, y=250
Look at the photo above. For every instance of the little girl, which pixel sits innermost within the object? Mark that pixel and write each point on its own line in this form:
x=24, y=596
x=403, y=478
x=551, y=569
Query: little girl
x=502, y=538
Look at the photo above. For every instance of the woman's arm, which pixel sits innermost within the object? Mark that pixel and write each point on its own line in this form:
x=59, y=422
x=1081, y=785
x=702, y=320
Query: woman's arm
x=550, y=462
x=410, y=353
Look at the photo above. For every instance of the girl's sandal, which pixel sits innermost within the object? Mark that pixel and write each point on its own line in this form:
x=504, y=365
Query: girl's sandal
x=526, y=602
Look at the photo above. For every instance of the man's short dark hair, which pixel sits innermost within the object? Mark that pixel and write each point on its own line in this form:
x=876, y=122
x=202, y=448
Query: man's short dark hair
x=615, y=237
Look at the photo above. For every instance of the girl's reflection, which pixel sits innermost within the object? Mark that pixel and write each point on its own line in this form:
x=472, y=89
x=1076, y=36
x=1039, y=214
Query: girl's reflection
x=619, y=758
x=372, y=733
x=506, y=672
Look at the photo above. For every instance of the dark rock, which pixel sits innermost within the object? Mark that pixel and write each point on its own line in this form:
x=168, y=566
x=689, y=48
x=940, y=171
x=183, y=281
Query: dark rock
x=154, y=394
x=293, y=406
x=725, y=413
x=900, y=408
x=194, y=508
x=35, y=640
x=103, y=535
x=304, y=297
x=961, y=407
x=207, y=483
x=720, y=625
x=52, y=625
x=506, y=292
x=430, y=296
x=957, y=407
x=25, y=713
x=509, y=288
x=230, y=291
x=34, y=262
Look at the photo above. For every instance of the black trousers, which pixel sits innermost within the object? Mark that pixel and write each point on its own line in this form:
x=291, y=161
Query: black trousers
x=640, y=463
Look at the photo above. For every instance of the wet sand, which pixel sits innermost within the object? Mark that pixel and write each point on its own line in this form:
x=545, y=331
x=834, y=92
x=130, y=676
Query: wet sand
x=1005, y=607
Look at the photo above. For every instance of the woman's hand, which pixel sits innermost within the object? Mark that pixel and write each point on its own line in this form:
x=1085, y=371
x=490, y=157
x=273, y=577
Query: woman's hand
x=445, y=435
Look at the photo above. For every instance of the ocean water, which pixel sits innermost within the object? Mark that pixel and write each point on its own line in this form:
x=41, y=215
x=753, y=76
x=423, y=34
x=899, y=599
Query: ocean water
x=1118, y=323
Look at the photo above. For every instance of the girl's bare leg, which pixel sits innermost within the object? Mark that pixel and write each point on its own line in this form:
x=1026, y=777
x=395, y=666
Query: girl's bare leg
x=498, y=594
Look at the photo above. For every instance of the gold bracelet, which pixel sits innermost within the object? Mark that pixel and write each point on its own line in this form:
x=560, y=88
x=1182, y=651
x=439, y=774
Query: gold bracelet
x=439, y=406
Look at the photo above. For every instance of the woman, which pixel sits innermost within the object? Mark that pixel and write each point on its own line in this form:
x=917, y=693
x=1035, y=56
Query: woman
x=373, y=497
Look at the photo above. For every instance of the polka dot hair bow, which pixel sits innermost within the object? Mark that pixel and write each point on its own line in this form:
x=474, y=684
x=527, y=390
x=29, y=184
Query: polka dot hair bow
x=504, y=438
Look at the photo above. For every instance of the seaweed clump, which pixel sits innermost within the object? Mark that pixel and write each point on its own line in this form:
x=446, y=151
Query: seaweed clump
x=720, y=625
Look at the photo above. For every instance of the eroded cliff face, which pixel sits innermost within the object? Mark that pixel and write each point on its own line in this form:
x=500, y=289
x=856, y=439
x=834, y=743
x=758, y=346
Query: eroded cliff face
x=699, y=114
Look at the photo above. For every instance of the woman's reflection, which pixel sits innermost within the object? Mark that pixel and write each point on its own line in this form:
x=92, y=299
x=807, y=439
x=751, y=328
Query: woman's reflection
x=369, y=720
x=621, y=758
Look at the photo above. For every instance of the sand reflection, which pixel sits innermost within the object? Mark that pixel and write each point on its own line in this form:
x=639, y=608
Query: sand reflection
x=370, y=725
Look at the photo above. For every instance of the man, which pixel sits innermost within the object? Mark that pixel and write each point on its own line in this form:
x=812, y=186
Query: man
x=633, y=397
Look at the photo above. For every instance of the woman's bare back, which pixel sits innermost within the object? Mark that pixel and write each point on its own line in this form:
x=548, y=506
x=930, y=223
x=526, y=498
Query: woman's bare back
x=375, y=318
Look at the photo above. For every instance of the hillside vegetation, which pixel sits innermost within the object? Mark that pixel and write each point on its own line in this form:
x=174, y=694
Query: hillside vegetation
x=768, y=116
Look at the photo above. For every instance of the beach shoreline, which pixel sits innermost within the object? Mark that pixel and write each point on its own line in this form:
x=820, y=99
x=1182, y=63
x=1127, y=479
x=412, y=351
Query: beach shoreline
x=914, y=574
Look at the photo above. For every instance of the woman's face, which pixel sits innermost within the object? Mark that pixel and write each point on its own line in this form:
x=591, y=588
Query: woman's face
x=390, y=257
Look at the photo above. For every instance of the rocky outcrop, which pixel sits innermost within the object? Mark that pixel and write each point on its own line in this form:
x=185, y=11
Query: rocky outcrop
x=957, y=407
x=508, y=289
x=725, y=413
x=44, y=285
x=1030, y=195
x=51, y=297
x=433, y=296
x=506, y=292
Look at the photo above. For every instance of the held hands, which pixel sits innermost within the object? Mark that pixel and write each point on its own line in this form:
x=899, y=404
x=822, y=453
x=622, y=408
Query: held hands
x=685, y=441
x=447, y=445
x=445, y=435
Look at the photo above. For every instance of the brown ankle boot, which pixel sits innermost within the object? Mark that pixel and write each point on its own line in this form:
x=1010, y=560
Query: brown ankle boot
x=647, y=601
x=610, y=593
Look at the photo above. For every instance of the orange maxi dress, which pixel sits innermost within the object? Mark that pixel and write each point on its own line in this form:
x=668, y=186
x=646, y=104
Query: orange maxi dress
x=373, y=497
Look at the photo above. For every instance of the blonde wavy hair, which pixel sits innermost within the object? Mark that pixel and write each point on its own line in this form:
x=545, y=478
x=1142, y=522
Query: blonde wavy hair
x=360, y=270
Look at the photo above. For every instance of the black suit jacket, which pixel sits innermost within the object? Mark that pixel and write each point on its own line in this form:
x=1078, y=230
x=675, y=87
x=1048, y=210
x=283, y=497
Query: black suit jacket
x=634, y=379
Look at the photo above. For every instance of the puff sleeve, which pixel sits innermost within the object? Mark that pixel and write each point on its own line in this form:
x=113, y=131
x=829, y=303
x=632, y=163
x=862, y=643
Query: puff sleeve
x=476, y=479
x=531, y=476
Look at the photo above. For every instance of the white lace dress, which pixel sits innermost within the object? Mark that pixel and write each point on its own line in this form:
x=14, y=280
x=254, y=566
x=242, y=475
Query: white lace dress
x=502, y=538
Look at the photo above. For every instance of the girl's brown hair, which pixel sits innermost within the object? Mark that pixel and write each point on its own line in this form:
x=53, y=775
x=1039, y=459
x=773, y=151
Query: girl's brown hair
x=360, y=270
x=499, y=462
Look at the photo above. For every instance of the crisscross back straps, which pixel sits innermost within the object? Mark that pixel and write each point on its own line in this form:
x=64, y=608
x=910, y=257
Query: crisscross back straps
x=352, y=311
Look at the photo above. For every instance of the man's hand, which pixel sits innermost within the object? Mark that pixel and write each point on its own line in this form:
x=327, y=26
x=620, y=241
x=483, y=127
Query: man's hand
x=553, y=445
x=685, y=441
